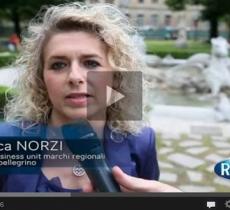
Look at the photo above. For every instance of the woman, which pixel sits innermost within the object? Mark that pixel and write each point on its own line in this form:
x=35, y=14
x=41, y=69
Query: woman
x=64, y=44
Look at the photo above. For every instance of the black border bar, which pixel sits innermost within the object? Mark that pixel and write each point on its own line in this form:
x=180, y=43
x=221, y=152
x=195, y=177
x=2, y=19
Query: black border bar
x=132, y=201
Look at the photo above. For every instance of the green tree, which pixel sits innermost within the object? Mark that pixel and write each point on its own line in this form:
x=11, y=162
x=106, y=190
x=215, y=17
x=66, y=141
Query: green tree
x=213, y=11
x=18, y=10
x=226, y=19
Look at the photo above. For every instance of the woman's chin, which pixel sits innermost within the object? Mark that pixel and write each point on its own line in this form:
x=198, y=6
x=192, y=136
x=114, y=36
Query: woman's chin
x=85, y=114
x=78, y=117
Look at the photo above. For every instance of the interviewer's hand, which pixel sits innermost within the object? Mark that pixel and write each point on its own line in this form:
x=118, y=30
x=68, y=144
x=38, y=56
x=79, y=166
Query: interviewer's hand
x=133, y=184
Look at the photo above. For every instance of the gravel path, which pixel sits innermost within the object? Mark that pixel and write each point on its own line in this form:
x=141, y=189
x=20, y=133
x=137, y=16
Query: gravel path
x=188, y=152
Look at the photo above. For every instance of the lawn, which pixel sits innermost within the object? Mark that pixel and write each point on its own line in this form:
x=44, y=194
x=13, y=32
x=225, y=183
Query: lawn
x=158, y=47
x=163, y=48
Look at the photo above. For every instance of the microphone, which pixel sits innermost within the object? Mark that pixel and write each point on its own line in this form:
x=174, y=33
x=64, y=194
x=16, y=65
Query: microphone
x=83, y=141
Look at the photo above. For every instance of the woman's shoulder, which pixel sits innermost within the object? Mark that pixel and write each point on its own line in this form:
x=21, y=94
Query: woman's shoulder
x=18, y=128
x=144, y=138
x=143, y=151
x=143, y=144
x=9, y=129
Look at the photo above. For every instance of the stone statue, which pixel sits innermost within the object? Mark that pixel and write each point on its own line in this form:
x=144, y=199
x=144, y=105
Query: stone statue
x=182, y=40
x=223, y=108
x=205, y=71
x=217, y=74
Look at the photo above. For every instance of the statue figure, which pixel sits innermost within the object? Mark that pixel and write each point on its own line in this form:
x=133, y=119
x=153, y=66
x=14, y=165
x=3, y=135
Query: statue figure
x=223, y=108
x=204, y=71
x=182, y=40
x=217, y=74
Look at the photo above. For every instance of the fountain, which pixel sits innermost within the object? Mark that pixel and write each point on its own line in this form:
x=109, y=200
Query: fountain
x=202, y=81
x=217, y=74
x=200, y=73
x=223, y=108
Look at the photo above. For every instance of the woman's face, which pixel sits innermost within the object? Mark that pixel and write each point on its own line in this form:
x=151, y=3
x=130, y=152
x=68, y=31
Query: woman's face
x=68, y=56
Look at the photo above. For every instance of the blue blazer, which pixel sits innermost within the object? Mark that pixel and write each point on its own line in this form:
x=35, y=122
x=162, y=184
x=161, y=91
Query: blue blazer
x=135, y=155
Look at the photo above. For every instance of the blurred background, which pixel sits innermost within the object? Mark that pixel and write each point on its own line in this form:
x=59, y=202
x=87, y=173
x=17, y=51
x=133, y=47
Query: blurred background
x=186, y=47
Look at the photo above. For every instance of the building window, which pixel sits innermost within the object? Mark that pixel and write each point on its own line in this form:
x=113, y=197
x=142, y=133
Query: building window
x=124, y=3
x=141, y=1
x=154, y=20
x=195, y=23
x=155, y=1
x=109, y=1
x=140, y=20
x=168, y=19
x=93, y=1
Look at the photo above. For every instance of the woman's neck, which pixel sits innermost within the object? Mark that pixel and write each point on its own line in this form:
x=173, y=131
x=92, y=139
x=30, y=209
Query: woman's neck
x=97, y=125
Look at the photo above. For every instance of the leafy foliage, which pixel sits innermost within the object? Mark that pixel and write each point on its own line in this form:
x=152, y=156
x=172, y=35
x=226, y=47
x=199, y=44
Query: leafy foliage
x=5, y=93
x=18, y=10
x=163, y=48
x=213, y=10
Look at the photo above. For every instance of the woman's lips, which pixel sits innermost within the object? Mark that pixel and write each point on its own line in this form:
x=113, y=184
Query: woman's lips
x=78, y=99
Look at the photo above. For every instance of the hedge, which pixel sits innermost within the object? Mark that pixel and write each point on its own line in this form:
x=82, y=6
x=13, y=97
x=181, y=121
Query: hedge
x=3, y=90
x=7, y=58
x=163, y=48
x=2, y=99
x=174, y=54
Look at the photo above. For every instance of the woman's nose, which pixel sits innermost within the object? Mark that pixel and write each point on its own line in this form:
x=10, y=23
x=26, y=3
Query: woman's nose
x=76, y=75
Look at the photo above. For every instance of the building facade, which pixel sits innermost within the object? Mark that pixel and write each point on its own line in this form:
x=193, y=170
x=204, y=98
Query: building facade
x=156, y=15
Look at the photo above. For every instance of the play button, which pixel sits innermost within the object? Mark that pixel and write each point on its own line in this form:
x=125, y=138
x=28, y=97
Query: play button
x=116, y=93
x=112, y=96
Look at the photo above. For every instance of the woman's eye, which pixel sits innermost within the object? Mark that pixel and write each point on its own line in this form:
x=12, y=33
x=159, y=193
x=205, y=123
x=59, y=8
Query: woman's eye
x=58, y=65
x=91, y=64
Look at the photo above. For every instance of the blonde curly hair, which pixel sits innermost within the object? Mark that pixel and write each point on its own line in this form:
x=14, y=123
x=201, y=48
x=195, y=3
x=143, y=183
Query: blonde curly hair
x=105, y=21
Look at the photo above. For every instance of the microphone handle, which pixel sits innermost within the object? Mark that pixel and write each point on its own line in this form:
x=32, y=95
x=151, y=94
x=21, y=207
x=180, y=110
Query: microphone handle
x=102, y=178
x=82, y=139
